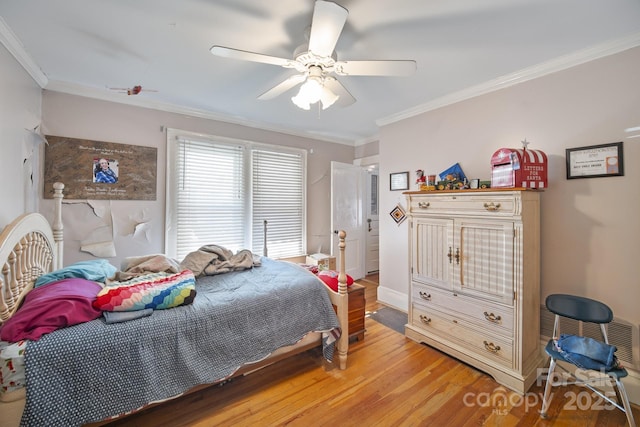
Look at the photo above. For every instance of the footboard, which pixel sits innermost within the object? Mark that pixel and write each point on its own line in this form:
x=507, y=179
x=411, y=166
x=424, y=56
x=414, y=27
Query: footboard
x=341, y=300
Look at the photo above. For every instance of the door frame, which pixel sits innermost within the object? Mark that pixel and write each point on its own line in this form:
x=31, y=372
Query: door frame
x=368, y=163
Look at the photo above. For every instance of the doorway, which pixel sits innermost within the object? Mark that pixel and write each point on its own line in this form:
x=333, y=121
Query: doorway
x=372, y=239
x=347, y=213
x=357, y=186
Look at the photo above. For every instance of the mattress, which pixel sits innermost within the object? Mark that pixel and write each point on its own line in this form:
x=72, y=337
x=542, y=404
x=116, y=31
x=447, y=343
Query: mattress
x=11, y=367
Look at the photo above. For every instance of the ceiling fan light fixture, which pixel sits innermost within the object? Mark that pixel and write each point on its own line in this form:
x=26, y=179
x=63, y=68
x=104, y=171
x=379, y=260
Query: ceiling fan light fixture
x=301, y=103
x=327, y=98
x=308, y=94
x=312, y=91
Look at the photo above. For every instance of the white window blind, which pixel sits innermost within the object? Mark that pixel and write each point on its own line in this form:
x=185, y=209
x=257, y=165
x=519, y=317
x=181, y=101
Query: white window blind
x=278, y=198
x=221, y=191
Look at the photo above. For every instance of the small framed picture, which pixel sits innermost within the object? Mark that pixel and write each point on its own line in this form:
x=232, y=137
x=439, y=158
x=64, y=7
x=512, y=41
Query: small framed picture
x=399, y=181
x=474, y=183
x=595, y=161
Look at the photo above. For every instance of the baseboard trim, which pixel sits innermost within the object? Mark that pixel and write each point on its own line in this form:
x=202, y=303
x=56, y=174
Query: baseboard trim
x=393, y=298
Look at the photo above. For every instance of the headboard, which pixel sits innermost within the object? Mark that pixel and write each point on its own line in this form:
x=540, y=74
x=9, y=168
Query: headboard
x=29, y=247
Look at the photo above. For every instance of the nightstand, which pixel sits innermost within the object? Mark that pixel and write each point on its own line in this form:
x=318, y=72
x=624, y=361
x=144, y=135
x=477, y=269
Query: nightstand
x=356, y=311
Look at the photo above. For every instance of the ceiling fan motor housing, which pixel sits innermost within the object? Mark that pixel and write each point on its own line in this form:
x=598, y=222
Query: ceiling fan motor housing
x=306, y=59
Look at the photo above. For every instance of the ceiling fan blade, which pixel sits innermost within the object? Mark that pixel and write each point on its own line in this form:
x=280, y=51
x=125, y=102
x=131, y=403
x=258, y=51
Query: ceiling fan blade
x=328, y=20
x=375, y=68
x=281, y=88
x=344, y=97
x=227, y=52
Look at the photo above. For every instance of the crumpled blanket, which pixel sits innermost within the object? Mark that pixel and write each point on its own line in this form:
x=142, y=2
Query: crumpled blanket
x=137, y=266
x=125, y=316
x=587, y=353
x=210, y=260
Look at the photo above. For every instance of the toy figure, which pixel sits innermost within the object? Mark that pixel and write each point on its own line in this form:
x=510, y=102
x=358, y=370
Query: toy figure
x=421, y=179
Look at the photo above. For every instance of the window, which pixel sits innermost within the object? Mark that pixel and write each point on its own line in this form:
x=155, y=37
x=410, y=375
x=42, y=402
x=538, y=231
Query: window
x=221, y=191
x=373, y=194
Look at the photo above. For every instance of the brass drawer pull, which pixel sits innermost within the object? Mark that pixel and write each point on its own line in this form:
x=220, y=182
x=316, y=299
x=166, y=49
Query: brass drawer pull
x=425, y=296
x=492, y=317
x=491, y=347
x=424, y=205
x=491, y=207
x=424, y=319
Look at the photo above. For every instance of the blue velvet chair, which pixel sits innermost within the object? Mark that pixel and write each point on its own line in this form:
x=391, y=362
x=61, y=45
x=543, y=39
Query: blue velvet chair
x=583, y=310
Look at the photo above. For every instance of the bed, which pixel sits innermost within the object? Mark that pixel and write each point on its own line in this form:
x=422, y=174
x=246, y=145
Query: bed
x=227, y=325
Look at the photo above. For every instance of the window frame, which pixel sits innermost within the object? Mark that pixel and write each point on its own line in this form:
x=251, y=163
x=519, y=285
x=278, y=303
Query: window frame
x=171, y=200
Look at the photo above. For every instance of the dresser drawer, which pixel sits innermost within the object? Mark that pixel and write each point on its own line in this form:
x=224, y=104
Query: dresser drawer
x=485, y=204
x=457, y=331
x=484, y=314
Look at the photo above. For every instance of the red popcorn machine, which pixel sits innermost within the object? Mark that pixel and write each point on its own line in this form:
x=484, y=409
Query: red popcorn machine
x=519, y=167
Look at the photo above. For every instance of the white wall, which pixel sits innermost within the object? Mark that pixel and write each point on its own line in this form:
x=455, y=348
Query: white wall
x=85, y=118
x=590, y=228
x=20, y=105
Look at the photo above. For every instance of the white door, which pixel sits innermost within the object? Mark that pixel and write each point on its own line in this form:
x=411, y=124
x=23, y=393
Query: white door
x=372, y=257
x=347, y=213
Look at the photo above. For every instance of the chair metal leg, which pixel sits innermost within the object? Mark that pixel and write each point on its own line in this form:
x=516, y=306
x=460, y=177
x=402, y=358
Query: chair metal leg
x=622, y=396
x=546, y=401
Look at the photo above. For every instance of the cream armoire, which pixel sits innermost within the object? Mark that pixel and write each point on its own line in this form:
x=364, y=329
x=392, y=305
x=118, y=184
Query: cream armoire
x=475, y=279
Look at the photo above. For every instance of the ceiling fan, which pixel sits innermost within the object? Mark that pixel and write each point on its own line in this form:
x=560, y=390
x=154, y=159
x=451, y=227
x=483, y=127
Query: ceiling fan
x=317, y=61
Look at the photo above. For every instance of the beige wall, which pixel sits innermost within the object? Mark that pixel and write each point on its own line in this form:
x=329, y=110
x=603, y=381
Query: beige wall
x=20, y=101
x=79, y=117
x=590, y=228
x=367, y=149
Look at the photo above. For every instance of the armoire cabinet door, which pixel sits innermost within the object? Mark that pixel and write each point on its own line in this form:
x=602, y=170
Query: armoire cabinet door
x=484, y=259
x=432, y=251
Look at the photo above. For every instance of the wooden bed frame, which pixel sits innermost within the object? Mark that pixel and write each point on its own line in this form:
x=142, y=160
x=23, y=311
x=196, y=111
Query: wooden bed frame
x=30, y=247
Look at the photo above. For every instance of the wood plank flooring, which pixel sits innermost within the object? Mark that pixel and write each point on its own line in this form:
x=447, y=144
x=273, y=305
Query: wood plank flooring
x=390, y=381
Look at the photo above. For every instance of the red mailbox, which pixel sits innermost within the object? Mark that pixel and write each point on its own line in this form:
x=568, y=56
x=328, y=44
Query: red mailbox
x=513, y=167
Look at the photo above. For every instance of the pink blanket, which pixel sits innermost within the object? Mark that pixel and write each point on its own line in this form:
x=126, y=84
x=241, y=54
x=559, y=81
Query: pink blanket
x=50, y=307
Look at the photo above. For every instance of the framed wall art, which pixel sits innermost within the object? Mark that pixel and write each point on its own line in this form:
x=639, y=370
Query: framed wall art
x=398, y=214
x=99, y=170
x=399, y=181
x=595, y=161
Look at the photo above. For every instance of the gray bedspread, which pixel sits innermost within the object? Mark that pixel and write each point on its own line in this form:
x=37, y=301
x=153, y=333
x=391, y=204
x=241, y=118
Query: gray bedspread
x=94, y=370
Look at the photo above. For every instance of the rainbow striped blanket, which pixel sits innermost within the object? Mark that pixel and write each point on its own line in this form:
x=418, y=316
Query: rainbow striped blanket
x=158, y=291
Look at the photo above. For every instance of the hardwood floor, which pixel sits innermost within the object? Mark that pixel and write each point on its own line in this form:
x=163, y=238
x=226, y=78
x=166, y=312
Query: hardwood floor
x=390, y=381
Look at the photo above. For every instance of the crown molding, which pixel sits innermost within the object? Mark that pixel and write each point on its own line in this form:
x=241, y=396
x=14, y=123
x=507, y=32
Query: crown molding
x=558, y=64
x=104, y=95
x=13, y=45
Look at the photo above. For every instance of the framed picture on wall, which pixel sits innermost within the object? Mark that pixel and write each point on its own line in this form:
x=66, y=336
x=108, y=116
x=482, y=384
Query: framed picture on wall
x=399, y=181
x=99, y=170
x=595, y=161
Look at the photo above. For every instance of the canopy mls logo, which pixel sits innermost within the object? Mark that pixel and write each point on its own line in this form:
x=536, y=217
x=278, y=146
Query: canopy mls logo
x=503, y=400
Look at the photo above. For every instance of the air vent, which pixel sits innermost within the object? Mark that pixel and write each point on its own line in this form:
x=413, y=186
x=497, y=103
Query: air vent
x=622, y=334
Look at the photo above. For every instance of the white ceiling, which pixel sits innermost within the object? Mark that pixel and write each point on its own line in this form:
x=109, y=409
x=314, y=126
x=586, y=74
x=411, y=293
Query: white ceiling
x=462, y=48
